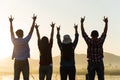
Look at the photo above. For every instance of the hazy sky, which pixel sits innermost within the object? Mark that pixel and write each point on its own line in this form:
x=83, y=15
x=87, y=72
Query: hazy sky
x=64, y=13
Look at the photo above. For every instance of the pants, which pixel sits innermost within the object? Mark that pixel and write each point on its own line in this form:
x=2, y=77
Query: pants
x=67, y=71
x=21, y=66
x=95, y=67
x=45, y=71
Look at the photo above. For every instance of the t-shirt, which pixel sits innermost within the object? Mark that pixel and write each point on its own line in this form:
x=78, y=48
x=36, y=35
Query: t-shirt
x=21, y=49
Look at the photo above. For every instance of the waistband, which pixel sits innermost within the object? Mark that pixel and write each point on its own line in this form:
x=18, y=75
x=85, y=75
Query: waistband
x=95, y=61
x=21, y=60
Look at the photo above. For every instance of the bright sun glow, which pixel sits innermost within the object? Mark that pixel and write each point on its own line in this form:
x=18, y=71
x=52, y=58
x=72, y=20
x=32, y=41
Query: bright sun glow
x=6, y=49
x=48, y=11
x=5, y=43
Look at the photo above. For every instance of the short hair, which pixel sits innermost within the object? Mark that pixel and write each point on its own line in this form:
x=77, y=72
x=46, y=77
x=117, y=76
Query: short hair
x=19, y=33
x=94, y=33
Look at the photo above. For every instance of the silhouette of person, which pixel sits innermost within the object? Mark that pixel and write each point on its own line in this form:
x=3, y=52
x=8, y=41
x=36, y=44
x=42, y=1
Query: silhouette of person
x=67, y=47
x=45, y=48
x=21, y=51
x=95, y=51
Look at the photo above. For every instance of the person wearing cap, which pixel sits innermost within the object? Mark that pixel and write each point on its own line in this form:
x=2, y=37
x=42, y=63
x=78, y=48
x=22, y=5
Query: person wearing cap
x=21, y=51
x=67, y=47
x=95, y=51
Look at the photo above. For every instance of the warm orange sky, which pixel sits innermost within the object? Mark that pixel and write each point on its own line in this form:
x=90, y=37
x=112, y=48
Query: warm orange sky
x=64, y=13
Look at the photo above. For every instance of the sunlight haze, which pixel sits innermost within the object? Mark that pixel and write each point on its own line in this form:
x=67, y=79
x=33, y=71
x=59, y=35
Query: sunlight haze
x=64, y=13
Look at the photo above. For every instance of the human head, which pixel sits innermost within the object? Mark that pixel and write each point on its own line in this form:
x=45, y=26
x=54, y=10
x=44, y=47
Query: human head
x=19, y=33
x=44, y=40
x=66, y=39
x=94, y=34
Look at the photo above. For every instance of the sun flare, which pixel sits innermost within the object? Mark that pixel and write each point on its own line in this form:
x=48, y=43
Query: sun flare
x=6, y=46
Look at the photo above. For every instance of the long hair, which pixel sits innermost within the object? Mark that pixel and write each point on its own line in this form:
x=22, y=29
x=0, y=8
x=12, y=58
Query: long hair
x=44, y=43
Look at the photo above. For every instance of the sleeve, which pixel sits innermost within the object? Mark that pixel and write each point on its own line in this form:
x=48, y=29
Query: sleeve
x=86, y=38
x=102, y=38
x=27, y=38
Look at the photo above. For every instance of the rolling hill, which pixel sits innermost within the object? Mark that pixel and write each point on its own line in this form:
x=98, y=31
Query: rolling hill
x=112, y=60
x=81, y=59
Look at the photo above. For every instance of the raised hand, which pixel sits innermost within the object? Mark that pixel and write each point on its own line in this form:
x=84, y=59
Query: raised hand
x=106, y=24
x=36, y=26
x=34, y=17
x=52, y=25
x=105, y=19
x=58, y=28
x=82, y=19
x=75, y=26
x=11, y=25
x=11, y=18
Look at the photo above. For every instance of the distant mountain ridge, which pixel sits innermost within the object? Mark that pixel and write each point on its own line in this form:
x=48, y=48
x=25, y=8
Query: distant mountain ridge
x=81, y=59
x=6, y=65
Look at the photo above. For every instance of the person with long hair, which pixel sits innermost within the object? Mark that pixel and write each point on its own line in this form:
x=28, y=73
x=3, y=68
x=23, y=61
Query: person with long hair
x=45, y=49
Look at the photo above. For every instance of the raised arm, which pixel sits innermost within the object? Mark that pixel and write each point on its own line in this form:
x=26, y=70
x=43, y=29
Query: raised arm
x=33, y=24
x=106, y=24
x=58, y=30
x=37, y=31
x=52, y=31
x=84, y=34
x=82, y=27
x=11, y=26
x=76, y=36
x=58, y=37
x=76, y=28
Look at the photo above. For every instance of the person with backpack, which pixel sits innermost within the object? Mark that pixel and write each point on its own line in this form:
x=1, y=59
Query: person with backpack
x=67, y=48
